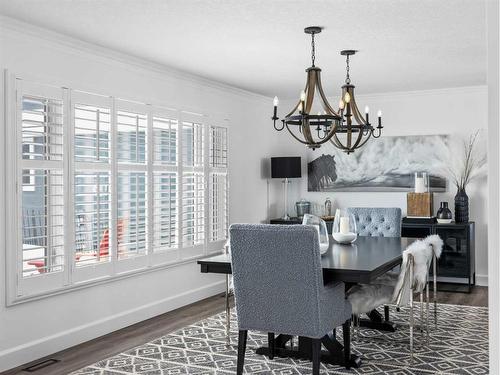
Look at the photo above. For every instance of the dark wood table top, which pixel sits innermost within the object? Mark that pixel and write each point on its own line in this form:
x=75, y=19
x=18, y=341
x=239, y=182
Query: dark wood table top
x=361, y=262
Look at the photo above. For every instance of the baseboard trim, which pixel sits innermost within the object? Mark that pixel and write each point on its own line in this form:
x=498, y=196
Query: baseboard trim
x=482, y=280
x=45, y=346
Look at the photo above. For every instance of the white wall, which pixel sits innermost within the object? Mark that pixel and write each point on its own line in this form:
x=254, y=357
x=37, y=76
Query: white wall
x=493, y=12
x=34, y=329
x=457, y=111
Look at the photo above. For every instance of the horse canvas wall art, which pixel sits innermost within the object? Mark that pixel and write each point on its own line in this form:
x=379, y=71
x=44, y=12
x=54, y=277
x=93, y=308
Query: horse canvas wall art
x=386, y=164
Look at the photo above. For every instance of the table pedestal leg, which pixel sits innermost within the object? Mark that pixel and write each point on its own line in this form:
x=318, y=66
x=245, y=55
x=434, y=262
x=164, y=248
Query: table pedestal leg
x=377, y=321
x=334, y=354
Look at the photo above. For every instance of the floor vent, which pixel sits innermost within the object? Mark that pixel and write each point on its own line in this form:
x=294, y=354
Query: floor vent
x=41, y=365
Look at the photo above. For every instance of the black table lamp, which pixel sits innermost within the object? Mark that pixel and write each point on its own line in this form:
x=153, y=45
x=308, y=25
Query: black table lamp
x=286, y=167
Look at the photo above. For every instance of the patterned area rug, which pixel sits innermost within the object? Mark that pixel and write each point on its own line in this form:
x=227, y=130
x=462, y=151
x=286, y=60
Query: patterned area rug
x=459, y=345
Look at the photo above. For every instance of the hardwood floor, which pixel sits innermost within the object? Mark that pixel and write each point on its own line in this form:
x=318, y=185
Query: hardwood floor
x=116, y=342
x=477, y=297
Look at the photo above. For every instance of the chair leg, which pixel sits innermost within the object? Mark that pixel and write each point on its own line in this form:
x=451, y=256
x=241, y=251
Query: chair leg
x=355, y=326
x=347, y=343
x=422, y=312
x=434, y=265
x=228, y=312
x=270, y=343
x=316, y=355
x=411, y=309
x=242, y=346
x=386, y=313
x=353, y=322
x=427, y=311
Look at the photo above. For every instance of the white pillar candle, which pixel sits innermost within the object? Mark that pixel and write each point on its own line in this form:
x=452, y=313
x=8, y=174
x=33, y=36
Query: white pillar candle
x=344, y=225
x=419, y=185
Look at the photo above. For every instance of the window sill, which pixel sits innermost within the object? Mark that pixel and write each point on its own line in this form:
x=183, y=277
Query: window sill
x=108, y=279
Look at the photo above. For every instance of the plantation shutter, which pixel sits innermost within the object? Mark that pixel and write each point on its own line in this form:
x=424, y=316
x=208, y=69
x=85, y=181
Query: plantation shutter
x=40, y=127
x=218, y=179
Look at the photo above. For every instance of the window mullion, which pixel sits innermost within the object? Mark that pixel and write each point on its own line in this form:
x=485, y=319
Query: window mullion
x=17, y=138
x=68, y=173
x=113, y=243
x=206, y=177
x=149, y=188
x=180, y=189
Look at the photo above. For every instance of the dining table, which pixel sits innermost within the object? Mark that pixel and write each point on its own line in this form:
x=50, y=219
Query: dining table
x=360, y=262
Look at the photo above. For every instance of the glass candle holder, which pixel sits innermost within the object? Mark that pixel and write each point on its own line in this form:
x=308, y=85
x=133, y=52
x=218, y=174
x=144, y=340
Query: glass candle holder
x=421, y=182
x=344, y=228
x=320, y=225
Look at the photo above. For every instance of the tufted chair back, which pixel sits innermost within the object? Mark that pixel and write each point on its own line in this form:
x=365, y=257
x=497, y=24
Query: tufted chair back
x=377, y=222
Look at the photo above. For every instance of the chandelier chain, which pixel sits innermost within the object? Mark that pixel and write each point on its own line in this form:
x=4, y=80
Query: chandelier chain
x=347, y=78
x=313, y=50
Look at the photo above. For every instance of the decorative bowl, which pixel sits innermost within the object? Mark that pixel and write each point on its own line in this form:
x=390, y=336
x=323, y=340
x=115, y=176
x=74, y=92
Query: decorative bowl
x=345, y=238
x=444, y=221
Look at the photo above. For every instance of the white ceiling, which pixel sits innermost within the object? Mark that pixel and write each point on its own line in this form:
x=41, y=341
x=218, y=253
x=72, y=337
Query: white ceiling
x=259, y=45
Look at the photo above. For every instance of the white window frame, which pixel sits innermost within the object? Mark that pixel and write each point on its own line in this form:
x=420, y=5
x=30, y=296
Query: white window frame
x=21, y=289
x=102, y=270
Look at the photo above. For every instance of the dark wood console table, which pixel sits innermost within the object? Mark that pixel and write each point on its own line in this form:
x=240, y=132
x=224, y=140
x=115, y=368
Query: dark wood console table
x=456, y=267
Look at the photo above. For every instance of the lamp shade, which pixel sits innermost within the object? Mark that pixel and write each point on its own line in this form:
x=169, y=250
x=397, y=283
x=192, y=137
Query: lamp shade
x=286, y=167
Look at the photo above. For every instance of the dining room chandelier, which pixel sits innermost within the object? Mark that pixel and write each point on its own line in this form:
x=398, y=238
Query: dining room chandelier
x=310, y=122
x=354, y=129
x=315, y=122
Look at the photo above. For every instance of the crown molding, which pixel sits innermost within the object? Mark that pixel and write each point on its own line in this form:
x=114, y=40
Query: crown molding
x=414, y=93
x=483, y=88
x=95, y=51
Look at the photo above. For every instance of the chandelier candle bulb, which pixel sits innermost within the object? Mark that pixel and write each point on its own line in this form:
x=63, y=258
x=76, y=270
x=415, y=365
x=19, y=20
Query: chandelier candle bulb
x=275, y=104
x=379, y=115
x=341, y=104
x=347, y=97
x=302, y=107
x=367, y=112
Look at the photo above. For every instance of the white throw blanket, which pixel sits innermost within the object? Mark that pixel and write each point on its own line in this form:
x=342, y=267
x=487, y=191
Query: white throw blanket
x=392, y=289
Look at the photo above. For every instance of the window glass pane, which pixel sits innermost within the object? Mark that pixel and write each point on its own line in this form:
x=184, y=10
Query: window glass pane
x=92, y=133
x=131, y=137
x=43, y=222
x=92, y=217
x=218, y=147
x=218, y=207
x=42, y=130
x=192, y=139
x=132, y=214
x=193, y=209
x=165, y=141
x=165, y=211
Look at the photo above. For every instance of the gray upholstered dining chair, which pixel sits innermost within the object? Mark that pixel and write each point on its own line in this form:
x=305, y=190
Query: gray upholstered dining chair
x=278, y=287
x=377, y=221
